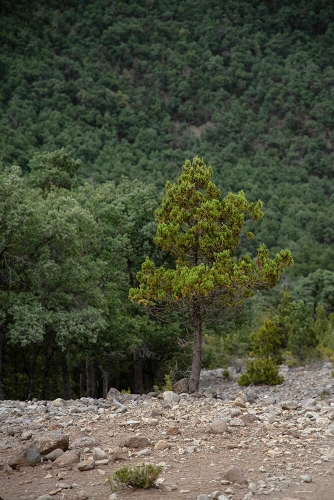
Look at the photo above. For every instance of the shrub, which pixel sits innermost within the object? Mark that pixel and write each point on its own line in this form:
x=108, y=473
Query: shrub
x=261, y=371
x=141, y=476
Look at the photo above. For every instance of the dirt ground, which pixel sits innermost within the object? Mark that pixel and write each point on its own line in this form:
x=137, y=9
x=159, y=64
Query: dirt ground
x=195, y=473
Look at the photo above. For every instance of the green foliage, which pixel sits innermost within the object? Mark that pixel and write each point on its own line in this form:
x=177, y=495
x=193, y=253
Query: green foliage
x=264, y=370
x=168, y=383
x=141, y=476
x=134, y=91
x=261, y=371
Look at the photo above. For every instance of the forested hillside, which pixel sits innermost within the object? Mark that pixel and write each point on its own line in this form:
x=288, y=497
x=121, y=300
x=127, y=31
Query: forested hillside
x=133, y=88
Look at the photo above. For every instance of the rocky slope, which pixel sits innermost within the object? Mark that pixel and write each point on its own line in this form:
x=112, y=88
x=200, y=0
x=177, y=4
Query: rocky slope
x=221, y=443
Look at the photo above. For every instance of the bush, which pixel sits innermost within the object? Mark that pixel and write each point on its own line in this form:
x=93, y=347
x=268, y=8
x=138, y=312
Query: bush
x=142, y=476
x=261, y=371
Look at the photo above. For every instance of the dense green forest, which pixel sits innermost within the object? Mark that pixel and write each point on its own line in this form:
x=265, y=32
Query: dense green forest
x=130, y=89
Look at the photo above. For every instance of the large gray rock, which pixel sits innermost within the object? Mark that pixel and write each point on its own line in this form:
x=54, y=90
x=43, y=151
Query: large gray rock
x=113, y=394
x=46, y=442
x=54, y=455
x=235, y=475
x=70, y=457
x=99, y=454
x=289, y=405
x=218, y=426
x=85, y=442
x=181, y=385
x=170, y=397
x=136, y=442
x=27, y=456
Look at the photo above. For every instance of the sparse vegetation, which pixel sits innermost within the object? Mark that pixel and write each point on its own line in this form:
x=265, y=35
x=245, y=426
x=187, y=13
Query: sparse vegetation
x=141, y=476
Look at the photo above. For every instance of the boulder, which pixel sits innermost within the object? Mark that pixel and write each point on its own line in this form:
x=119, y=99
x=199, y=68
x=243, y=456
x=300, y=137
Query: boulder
x=46, y=442
x=85, y=442
x=54, y=455
x=27, y=456
x=136, y=442
x=181, y=386
x=235, y=475
x=68, y=458
x=113, y=394
x=170, y=397
x=99, y=454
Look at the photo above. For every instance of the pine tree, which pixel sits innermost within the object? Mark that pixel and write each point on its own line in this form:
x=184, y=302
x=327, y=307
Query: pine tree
x=203, y=231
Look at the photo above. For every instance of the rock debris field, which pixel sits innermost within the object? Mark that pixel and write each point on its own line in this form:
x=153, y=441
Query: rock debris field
x=223, y=442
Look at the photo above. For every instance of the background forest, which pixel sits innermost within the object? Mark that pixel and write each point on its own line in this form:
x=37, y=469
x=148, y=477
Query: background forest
x=100, y=104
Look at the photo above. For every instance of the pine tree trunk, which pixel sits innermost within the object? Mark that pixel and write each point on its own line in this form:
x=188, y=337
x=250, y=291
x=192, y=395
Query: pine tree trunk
x=105, y=381
x=2, y=345
x=197, y=349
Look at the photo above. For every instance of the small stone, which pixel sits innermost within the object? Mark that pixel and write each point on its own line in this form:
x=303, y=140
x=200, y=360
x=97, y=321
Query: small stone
x=235, y=475
x=269, y=401
x=184, y=491
x=229, y=491
x=54, y=455
x=45, y=497
x=236, y=422
x=249, y=418
x=113, y=496
x=223, y=497
x=82, y=495
x=218, y=426
x=161, y=445
x=235, y=412
x=54, y=492
x=26, y=435
x=248, y=496
x=216, y=494
x=142, y=453
x=105, y=461
x=137, y=442
x=119, y=454
x=289, y=405
x=28, y=456
x=202, y=497
x=239, y=402
x=173, y=431
x=305, y=478
x=99, y=454
x=63, y=486
x=86, y=465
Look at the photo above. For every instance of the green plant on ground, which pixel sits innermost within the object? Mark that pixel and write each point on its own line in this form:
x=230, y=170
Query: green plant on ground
x=168, y=383
x=126, y=391
x=141, y=476
x=226, y=375
x=264, y=369
x=261, y=371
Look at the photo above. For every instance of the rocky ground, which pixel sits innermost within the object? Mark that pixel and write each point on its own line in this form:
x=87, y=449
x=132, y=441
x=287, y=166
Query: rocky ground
x=223, y=442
